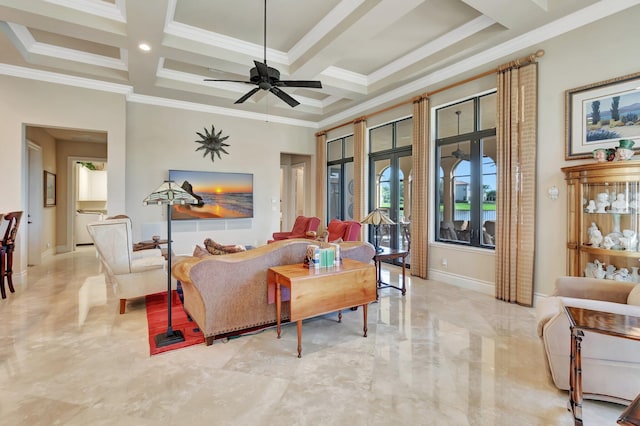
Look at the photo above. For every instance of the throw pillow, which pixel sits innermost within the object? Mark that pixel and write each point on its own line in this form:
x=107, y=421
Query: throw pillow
x=323, y=237
x=634, y=296
x=200, y=252
x=217, y=248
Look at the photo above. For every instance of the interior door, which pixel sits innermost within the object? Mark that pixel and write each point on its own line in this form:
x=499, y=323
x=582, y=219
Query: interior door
x=35, y=201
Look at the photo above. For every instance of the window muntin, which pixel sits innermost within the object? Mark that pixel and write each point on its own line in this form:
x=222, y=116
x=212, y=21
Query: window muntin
x=340, y=178
x=466, y=181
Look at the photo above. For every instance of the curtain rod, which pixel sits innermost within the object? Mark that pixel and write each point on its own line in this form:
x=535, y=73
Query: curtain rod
x=517, y=63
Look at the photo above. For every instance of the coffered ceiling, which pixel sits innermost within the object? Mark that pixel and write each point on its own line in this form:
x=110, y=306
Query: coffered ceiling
x=367, y=53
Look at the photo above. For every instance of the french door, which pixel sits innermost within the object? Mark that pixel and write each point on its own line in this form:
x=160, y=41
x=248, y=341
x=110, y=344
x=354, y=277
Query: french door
x=390, y=191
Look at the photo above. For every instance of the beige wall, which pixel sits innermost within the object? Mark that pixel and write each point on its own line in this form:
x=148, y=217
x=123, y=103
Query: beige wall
x=28, y=102
x=48, y=145
x=160, y=139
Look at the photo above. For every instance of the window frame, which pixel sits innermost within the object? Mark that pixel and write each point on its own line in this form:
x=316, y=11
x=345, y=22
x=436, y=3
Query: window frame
x=475, y=139
x=342, y=162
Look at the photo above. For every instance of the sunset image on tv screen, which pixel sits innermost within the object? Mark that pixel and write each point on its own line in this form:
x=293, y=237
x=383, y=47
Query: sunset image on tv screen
x=220, y=195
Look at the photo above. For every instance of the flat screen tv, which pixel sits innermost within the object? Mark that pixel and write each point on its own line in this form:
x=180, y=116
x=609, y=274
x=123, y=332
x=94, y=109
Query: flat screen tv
x=220, y=195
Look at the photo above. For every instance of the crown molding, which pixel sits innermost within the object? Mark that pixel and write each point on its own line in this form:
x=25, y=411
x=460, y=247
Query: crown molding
x=113, y=12
x=67, y=80
x=192, y=106
x=583, y=17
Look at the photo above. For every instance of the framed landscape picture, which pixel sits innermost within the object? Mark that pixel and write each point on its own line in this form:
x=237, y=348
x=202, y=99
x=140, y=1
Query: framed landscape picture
x=600, y=114
x=49, y=189
x=220, y=195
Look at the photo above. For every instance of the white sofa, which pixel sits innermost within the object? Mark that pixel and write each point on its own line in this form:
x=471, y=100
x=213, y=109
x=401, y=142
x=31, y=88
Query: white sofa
x=610, y=365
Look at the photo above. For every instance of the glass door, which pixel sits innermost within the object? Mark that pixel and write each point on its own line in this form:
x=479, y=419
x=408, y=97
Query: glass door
x=391, y=191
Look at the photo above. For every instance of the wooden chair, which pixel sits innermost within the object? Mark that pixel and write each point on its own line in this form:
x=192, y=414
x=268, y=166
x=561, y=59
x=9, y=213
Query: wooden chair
x=6, y=251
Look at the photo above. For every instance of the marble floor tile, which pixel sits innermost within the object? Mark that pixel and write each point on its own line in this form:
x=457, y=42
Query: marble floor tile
x=441, y=355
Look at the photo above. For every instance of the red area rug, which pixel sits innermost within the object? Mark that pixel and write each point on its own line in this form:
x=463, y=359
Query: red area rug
x=157, y=321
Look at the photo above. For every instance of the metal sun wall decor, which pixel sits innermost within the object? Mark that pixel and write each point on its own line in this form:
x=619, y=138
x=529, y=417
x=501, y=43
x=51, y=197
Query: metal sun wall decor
x=212, y=143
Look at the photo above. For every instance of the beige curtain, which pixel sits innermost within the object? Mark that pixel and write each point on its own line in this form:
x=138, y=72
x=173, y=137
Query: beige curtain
x=516, y=202
x=359, y=161
x=421, y=185
x=321, y=177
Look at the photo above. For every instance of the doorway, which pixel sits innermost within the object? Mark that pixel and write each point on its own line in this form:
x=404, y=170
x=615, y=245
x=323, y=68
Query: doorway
x=294, y=198
x=391, y=191
x=34, y=203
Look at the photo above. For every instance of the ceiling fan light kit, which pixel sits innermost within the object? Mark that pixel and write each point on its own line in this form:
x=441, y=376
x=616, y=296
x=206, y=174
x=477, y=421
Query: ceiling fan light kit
x=268, y=78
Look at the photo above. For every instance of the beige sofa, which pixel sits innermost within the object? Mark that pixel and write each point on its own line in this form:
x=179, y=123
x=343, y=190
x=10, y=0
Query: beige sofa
x=226, y=294
x=610, y=365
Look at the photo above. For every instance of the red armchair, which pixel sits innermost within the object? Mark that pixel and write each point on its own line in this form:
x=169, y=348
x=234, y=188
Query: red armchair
x=348, y=230
x=301, y=226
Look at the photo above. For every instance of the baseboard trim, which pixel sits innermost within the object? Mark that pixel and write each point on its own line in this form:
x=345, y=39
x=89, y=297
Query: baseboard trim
x=462, y=281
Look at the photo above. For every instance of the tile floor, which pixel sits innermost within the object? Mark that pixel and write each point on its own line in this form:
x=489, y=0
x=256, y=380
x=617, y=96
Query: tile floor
x=441, y=355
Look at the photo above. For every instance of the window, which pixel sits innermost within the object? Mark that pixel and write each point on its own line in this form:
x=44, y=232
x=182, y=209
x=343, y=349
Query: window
x=340, y=178
x=466, y=165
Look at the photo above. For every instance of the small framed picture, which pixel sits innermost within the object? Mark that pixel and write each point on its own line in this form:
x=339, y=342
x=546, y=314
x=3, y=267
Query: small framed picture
x=599, y=115
x=49, y=189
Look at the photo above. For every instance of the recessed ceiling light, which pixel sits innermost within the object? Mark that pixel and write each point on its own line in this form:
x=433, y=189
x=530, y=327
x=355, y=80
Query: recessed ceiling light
x=144, y=47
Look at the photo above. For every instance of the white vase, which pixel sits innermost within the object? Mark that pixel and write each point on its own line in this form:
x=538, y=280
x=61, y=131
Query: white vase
x=634, y=274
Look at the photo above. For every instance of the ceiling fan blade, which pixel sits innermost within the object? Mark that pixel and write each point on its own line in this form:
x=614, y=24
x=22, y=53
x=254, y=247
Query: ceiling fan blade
x=247, y=95
x=301, y=83
x=285, y=97
x=231, y=81
x=263, y=71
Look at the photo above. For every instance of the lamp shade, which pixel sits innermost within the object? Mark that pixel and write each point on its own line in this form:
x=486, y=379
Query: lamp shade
x=377, y=217
x=170, y=193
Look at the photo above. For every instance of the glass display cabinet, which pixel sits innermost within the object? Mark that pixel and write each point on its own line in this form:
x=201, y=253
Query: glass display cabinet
x=603, y=220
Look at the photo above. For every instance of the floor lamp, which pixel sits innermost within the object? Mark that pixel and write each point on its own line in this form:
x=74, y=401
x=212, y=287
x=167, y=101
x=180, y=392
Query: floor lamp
x=376, y=218
x=169, y=193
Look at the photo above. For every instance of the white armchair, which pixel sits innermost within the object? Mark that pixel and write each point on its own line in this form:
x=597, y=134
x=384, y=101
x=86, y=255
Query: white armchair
x=133, y=274
x=610, y=365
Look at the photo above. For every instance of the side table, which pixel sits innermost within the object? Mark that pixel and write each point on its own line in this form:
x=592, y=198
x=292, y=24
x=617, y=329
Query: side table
x=581, y=320
x=631, y=416
x=149, y=244
x=387, y=253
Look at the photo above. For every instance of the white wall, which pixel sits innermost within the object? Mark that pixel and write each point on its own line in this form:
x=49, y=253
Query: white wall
x=160, y=139
x=29, y=102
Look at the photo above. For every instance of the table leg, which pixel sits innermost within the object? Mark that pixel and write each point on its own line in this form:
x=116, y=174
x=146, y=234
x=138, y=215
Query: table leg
x=364, y=315
x=278, y=307
x=340, y=315
x=404, y=272
x=299, y=326
x=575, y=376
x=378, y=277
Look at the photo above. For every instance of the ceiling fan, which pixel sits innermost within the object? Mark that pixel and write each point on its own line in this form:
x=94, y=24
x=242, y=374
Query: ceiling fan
x=458, y=153
x=268, y=78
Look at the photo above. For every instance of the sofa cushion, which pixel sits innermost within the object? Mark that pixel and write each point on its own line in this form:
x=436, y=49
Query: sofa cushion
x=634, y=296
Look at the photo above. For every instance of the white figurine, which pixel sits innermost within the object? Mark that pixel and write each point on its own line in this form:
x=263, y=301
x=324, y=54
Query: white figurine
x=629, y=240
x=620, y=204
x=607, y=242
x=591, y=207
x=595, y=238
x=602, y=202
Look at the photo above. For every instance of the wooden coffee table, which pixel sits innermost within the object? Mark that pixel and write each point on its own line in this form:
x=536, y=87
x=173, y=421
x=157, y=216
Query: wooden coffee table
x=581, y=320
x=319, y=291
